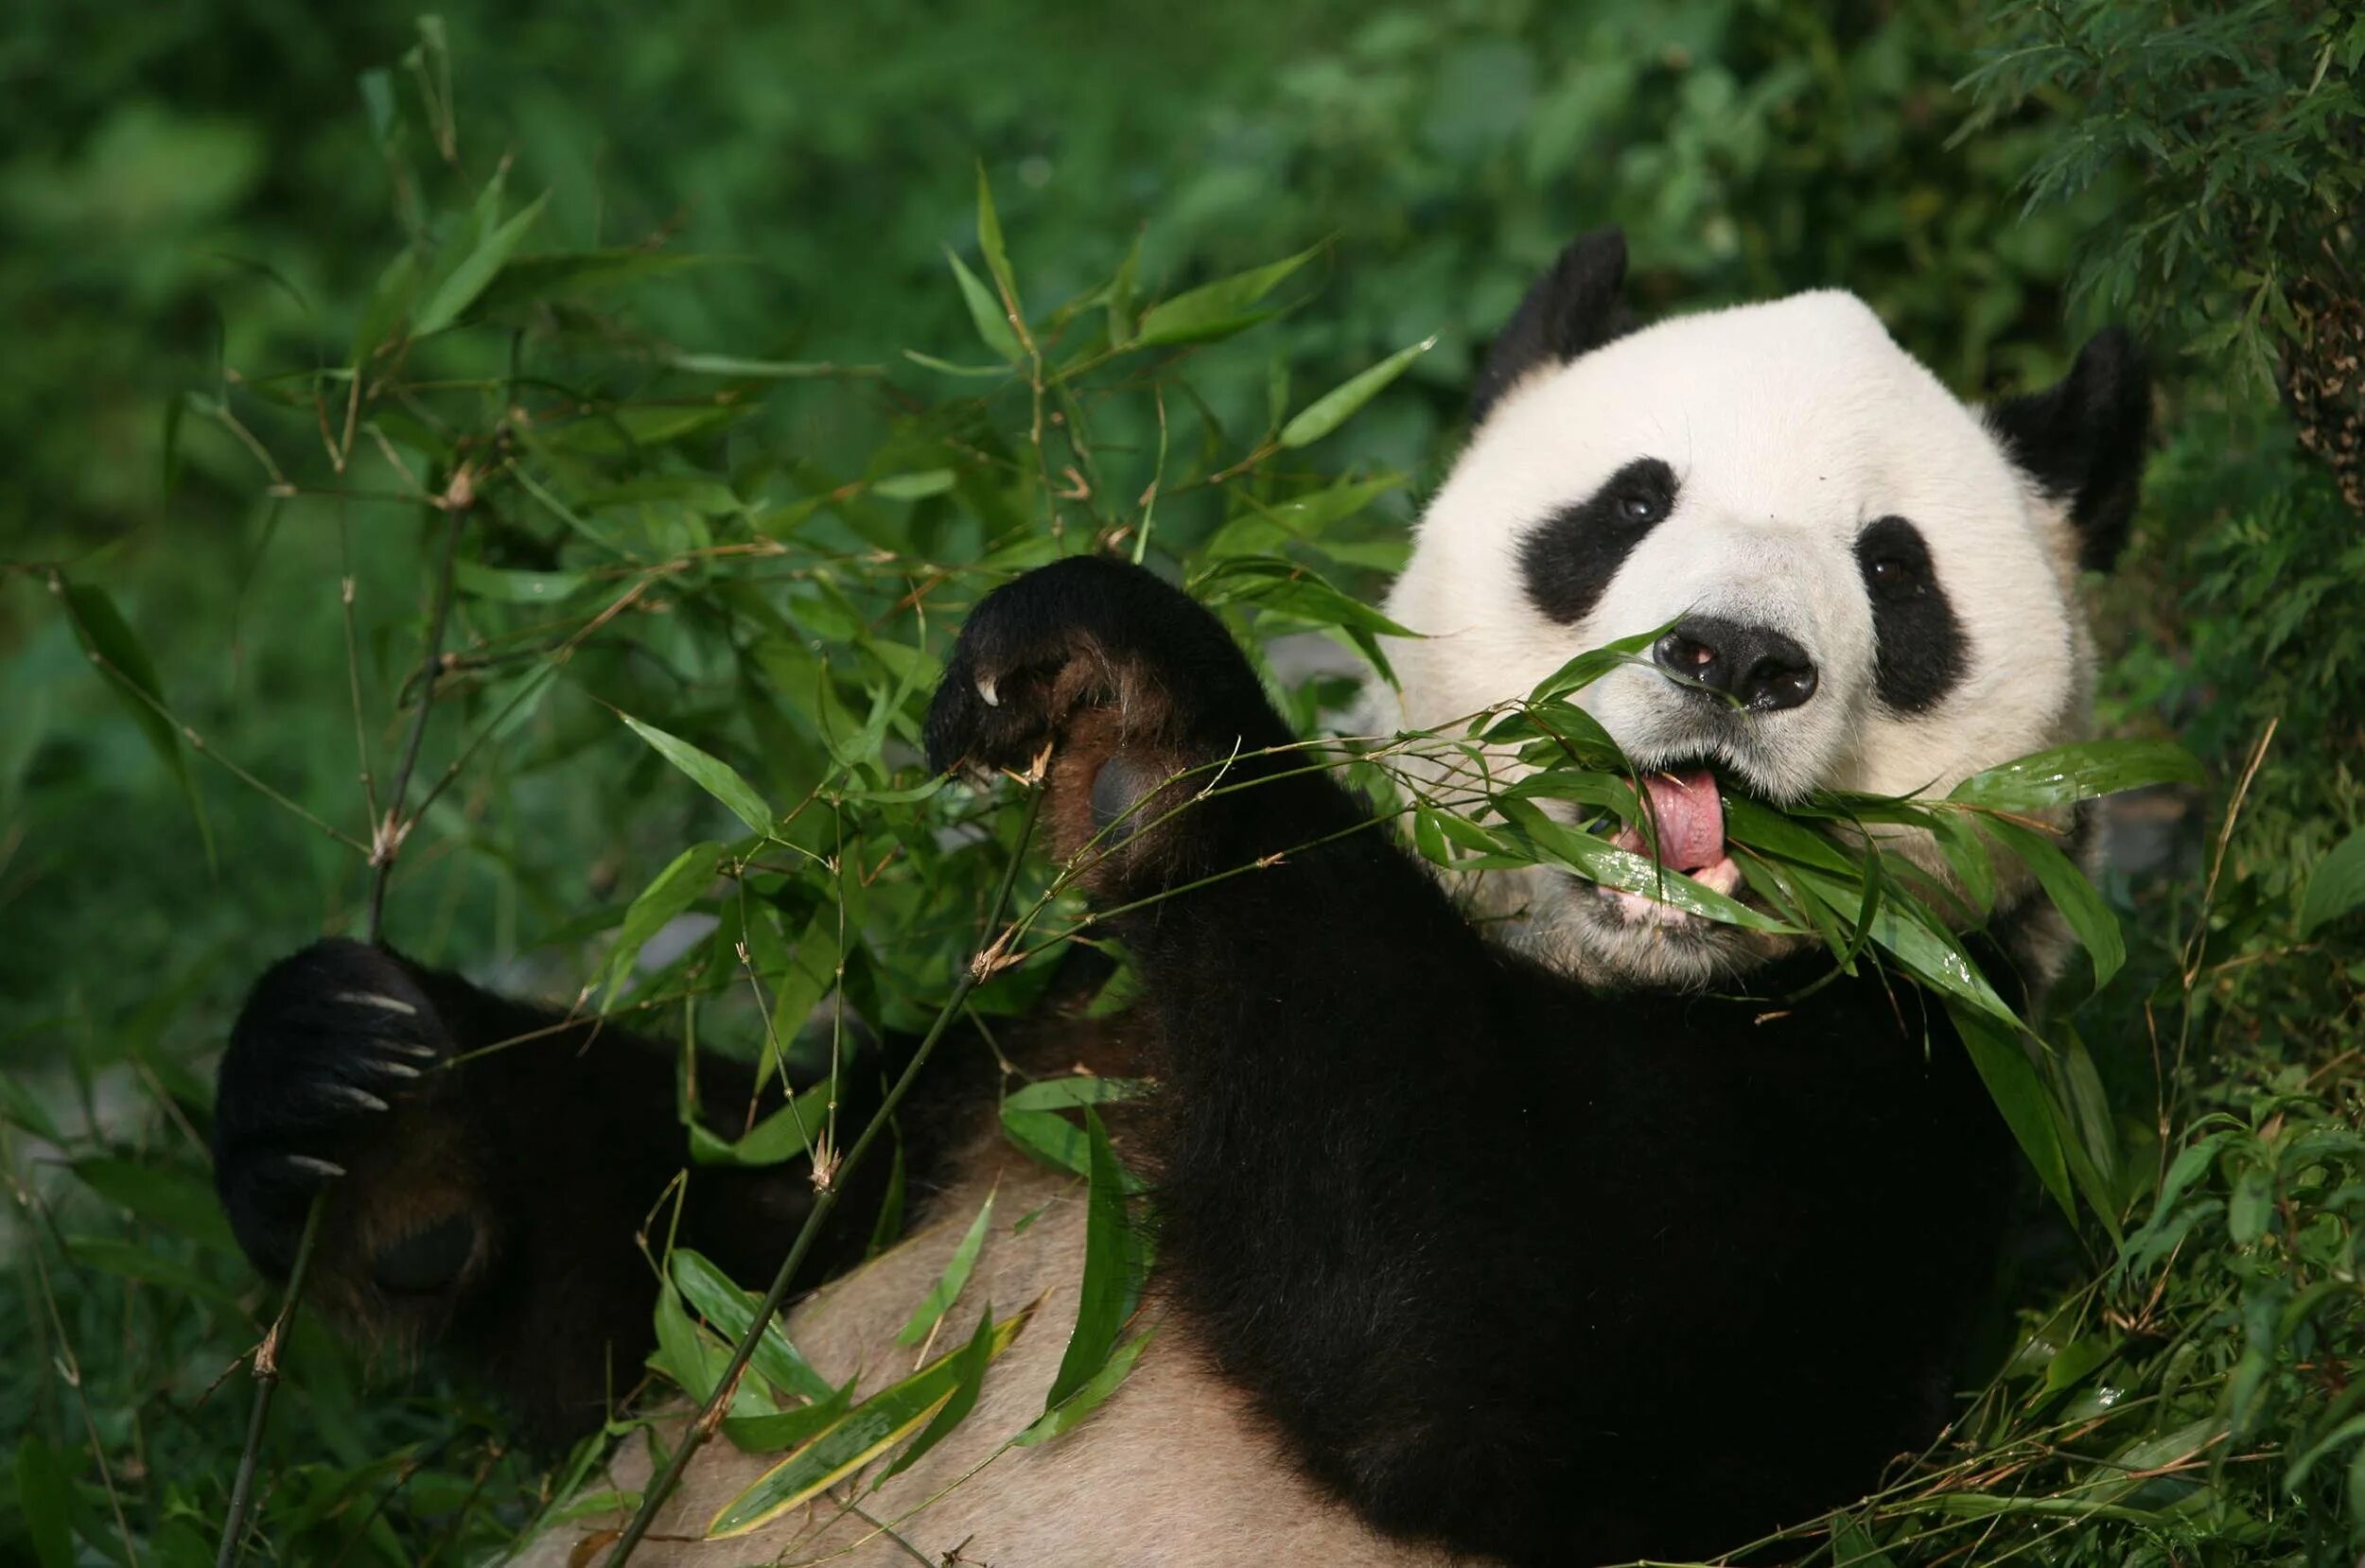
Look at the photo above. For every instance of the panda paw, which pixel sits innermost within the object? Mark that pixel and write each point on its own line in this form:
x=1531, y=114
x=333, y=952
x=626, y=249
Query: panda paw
x=332, y=1039
x=1091, y=636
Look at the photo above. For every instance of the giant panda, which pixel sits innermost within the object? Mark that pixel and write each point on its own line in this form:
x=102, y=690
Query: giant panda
x=1508, y=1222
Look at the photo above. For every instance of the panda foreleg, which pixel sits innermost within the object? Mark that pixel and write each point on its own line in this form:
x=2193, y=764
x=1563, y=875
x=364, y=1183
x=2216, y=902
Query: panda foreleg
x=493, y=1167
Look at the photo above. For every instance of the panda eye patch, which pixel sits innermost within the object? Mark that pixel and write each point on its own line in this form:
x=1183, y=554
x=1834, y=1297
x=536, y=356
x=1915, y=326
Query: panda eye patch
x=1920, y=646
x=1568, y=558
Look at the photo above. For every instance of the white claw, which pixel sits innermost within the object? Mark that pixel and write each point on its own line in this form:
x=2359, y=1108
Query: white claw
x=985, y=689
x=407, y=1048
x=318, y=1167
x=398, y=1070
x=371, y=999
x=362, y=1097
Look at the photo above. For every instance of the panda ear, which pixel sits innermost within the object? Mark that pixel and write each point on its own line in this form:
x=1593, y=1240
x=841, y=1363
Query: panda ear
x=1573, y=308
x=2082, y=441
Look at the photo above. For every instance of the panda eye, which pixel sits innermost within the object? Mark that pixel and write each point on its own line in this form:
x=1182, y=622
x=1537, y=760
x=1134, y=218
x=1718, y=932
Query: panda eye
x=1634, y=508
x=1895, y=578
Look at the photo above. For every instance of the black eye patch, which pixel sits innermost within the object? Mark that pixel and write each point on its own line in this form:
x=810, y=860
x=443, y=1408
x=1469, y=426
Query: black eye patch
x=1569, y=557
x=1922, y=649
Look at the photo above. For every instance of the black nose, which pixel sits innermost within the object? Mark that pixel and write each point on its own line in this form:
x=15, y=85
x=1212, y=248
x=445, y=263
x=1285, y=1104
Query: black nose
x=1756, y=666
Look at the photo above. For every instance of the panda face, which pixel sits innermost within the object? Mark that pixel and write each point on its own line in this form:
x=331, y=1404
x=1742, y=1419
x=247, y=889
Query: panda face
x=1862, y=590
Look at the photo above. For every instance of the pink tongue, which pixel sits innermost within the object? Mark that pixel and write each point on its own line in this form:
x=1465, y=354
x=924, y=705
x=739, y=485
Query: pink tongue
x=1691, y=819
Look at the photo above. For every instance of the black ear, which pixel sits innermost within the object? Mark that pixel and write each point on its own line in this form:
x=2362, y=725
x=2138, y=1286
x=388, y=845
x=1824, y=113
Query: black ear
x=2082, y=441
x=1573, y=310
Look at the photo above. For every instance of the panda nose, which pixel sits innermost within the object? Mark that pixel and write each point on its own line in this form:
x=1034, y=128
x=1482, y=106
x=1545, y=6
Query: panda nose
x=1756, y=666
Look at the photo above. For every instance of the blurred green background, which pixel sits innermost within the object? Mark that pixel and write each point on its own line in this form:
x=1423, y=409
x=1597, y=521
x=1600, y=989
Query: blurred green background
x=199, y=195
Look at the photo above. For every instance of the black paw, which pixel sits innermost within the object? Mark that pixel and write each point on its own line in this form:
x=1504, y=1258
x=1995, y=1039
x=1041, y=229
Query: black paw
x=329, y=1042
x=1089, y=632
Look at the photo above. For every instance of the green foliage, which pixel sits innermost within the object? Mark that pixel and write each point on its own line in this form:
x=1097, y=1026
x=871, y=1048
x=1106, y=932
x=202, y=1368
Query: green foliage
x=716, y=517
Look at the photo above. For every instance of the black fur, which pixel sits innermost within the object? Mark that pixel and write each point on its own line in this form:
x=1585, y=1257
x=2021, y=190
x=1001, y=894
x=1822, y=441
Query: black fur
x=1531, y=1270
x=1922, y=650
x=1573, y=310
x=2082, y=440
x=1567, y=561
x=540, y=1157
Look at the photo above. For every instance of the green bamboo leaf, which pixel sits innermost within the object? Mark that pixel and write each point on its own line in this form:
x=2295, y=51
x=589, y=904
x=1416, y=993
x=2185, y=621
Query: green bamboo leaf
x=913, y=487
x=43, y=1491
x=107, y=637
x=1094, y=1392
x=864, y=1433
x=990, y=242
x=777, y=1430
x=1602, y=861
x=175, y=1201
x=970, y=1369
x=949, y=1284
x=1335, y=407
x=2250, y=1209
x=675, y=889
x=1116, y=1262
x=731, y=1309
x=738, y=369
x=711, y=774
x=2019, y=1094
x=1216, y=309
x=2335, y=887
x=460, y=288
x=2080, y=772
x=514, y=587
x=2081, y=903
x=780, y=1135
x=1050, y=1137
x=529, y=280
x=1067, y=1093
x=985, y=311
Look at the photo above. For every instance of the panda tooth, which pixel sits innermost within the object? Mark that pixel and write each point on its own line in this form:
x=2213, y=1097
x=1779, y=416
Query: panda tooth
x=371, y=999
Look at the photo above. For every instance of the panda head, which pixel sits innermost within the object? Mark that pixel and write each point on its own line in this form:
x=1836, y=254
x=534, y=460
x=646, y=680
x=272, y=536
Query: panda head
x=1878, y=582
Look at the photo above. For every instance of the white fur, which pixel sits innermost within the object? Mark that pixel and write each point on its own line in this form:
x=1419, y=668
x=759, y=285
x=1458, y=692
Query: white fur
x=1174, y=1472
x=1790, y=426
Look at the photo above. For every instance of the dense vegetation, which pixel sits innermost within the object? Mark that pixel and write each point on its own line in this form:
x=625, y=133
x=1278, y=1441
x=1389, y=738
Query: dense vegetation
x=686, y=341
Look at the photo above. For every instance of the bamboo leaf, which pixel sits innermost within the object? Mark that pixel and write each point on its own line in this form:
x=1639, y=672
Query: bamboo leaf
x=1094, y=1392
x=2335, y=887
x=969, y=1366
x=2080, y=902
x=1216, y=309
x=864, y=1433
x=107, y=637
x=2080, y=772
x=465, y=282
x=675, y=889
x=731, y=1309
x=1116, y=1262
x=2019, y=1094
x=985, y=312
x=711, y=774
x=1337, y=406
x=948, y=1287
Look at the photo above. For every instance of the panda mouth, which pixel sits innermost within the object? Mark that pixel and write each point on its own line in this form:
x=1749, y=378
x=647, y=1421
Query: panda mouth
x=1687, y=813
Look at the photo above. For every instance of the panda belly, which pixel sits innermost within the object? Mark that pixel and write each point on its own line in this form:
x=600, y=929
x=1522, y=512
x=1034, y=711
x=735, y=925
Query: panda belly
x=1174, y=1471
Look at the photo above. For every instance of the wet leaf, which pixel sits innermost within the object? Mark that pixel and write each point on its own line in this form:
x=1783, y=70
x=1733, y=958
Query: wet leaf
x=2079, y=772
x=2335, y=887
x=2019, y=1094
